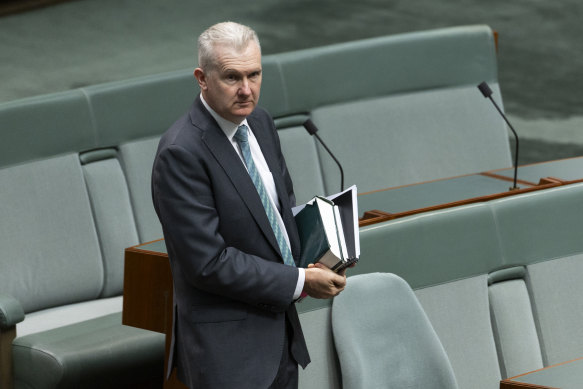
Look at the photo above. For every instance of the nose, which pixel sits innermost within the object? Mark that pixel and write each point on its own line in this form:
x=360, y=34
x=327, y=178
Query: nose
x=244, y=88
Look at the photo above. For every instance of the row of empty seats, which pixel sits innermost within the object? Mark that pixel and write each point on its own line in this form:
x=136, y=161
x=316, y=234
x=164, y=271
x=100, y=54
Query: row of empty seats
x=500, y=282
x=75, y=172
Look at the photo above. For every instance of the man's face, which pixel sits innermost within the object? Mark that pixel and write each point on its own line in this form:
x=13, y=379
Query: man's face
x=232, y=88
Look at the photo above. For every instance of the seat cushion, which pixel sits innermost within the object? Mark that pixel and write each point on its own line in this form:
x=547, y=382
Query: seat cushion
x=98, y=353
x=51, y=318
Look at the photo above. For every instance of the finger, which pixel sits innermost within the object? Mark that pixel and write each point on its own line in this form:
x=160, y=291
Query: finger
x=340, y=281
x=321, y=266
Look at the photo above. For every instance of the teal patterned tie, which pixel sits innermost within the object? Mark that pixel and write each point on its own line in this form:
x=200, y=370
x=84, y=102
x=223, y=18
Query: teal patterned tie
x=243, y=141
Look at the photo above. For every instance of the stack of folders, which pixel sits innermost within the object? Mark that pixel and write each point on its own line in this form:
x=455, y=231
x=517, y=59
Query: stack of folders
x=328, y=229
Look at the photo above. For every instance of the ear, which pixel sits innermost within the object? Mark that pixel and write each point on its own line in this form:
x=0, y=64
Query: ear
x=200, y=78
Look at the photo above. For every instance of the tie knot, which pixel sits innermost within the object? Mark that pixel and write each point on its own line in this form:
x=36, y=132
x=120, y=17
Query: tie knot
x=241, y=134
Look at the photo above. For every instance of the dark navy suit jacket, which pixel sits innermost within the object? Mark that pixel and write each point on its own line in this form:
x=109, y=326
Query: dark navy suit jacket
x=232, y=292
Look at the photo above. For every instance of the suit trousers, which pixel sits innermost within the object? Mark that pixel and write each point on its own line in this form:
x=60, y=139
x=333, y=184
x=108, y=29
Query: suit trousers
x=287, y=373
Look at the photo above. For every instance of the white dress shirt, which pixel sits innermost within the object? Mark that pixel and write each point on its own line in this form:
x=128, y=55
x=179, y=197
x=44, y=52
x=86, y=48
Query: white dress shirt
x=230, y=128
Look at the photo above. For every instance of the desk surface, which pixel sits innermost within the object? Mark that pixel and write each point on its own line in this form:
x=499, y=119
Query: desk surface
x=429, y=194
x=157, y=246
x=568, y=375
x=569, y=169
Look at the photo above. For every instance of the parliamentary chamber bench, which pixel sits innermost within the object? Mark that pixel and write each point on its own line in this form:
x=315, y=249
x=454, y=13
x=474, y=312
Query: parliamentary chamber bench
x=498, y=280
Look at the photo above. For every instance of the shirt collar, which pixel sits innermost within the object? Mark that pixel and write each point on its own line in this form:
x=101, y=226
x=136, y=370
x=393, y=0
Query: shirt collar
x=228, y=127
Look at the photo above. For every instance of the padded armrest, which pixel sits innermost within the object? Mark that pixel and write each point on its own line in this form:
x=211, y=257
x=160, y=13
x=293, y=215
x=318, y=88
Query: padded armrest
x=11, y=311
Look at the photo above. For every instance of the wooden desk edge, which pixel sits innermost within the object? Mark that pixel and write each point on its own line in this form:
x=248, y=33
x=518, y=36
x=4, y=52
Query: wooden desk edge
x=377, y=216
x=509, y=383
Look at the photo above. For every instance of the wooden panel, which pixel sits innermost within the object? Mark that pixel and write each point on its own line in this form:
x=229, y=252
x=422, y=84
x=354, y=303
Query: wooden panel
x=6, y=337
x=506, y=384
x=148, y=298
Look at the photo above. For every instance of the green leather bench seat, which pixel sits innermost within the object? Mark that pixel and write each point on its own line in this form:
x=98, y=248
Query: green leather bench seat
x=98, y=353
x=137, y=157
x=499, y=281
x=419, y=117
x=50, y=248
x=45, y=126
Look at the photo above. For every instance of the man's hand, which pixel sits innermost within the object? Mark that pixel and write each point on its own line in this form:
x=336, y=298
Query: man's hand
x=323, y=283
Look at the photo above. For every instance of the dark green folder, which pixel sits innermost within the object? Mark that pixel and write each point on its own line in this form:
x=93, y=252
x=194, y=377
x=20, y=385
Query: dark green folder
x=315, y=244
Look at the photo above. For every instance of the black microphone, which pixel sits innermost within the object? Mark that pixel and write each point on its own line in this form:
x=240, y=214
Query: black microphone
x=487, y=92
x=312, y=130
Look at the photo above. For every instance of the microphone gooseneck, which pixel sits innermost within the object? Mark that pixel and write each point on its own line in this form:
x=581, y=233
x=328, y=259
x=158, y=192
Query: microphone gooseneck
x=487, y=93
x=312, y=130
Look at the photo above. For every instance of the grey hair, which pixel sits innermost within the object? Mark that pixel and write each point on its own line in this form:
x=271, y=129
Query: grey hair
x=230, y=34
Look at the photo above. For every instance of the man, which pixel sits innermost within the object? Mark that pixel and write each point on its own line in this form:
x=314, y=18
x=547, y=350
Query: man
x=223, y=194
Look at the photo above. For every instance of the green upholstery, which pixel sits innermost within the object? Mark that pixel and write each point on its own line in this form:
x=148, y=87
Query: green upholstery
x=398, y=64
x=434, y=247
x=457, y=260
x=44, y=126
x=301, y=157
x=541, y=225
x=11, y=312
x=63, y=315
x=413, y=137
x=273, y=89
x=137, y=159
x=138, y=108
x=114, y=219
x=324, y=371
x=384, y=339
x=459, y=312
x=514, y=328
x=556, y=287
x=99, y=353
x=50, y=248
x=420, y=122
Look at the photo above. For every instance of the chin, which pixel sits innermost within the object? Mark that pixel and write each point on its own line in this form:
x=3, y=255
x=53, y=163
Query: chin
x=242, y=113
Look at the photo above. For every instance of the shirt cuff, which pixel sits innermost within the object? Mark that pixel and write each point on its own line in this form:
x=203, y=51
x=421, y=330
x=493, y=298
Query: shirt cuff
x=300, y=284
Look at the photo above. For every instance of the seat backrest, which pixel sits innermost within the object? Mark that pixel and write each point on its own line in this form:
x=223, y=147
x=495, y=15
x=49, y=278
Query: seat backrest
x=414, y=137
x=45, y=126
x=460, y=314
x=143, y=107
x=112, y=210
x=137, y=158
x=384, y=338
x=408, y=104
x=50, y=250
x=301, y=156
x=513, y=323
x=542, y=231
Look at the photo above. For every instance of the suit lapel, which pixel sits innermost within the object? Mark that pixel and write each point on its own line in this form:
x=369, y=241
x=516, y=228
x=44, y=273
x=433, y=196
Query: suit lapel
x=229, y=160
